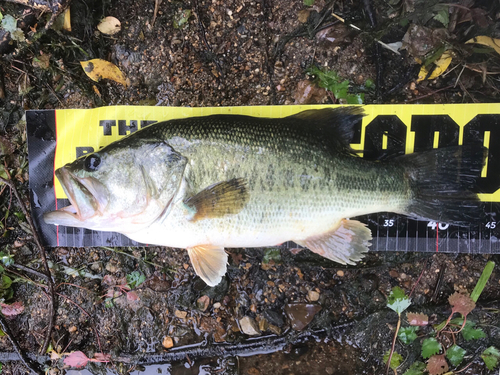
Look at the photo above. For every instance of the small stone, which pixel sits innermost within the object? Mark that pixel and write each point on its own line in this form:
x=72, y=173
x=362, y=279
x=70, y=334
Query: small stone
x=301, y=314
x=180, y=314
x=340, y=273
x=72, y=329
x=274, y=329
x=111, y=267
x=202, y=303
x=393, y=273
x=263, y=325
x=313, y=296
x=248, y=326
x=217, y=305
x=168, y=342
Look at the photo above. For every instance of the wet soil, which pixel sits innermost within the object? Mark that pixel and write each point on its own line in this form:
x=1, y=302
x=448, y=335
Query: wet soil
x=232, y=52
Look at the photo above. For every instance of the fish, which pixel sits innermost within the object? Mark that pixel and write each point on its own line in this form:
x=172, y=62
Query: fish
x=209, y=183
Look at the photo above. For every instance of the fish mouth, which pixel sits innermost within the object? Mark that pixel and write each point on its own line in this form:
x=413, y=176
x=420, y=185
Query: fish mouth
x=87, y=197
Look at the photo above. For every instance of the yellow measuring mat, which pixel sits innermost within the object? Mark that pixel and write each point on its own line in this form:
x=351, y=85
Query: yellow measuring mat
x=58, y=137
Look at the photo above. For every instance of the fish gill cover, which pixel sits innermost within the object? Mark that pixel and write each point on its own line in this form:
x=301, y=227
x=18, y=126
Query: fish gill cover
x=57, y=137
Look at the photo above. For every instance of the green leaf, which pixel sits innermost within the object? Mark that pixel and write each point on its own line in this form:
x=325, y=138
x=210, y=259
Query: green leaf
x=471, y=333
x=272, y=255
x=481, y=283
x=398, y=300
x=135, y=279
x=430, y=347
x=1, y=16
x=395, y=360
x=355, y=98
x=416, y=368
x=408, y=334
x=369, y=84
x=491, y=356
x=309, y=2
x=181, y=18
x=6, y=259
x=443, y=17
x=455, y=354
x=6, y=282
x=9, y=23
x=2, y=333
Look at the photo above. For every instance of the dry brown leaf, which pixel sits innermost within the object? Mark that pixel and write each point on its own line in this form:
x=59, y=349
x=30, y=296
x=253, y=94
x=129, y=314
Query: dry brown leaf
x=461, y=303
x=419, y=319
x=98, y=69
x=437, y=365
x=109, y=26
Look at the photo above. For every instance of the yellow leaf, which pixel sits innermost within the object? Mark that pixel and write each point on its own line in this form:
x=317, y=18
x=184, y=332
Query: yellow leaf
x=98, y=69
x=486, y=41
x=109, y=26
x=67, y=20
x=441, y=65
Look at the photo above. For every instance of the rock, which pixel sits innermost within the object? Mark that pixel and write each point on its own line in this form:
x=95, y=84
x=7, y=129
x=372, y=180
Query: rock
x=168, y=342
x=202, y=303
x=301, y=314
x=340, y=273
x=313, y=296
x=217, y=305
x=263, y=325
x=248, y=326
x=273, y=317
x=180, y=314
x=274, y=329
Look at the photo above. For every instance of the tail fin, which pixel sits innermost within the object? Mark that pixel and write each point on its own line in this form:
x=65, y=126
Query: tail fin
x=440, y=181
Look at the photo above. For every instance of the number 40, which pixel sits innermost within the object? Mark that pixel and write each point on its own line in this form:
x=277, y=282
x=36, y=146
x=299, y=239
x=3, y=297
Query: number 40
x=442, y=226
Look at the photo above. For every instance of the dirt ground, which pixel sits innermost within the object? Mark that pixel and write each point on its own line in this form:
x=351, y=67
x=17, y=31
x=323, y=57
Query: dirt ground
x=306, y=315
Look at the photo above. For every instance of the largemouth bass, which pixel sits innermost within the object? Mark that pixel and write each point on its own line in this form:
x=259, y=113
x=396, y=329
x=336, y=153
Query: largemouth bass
x=222, y=181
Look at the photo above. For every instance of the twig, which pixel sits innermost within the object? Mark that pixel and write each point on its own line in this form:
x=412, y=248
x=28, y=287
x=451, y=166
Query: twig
x=30, y=270
x=429, y=94
x=157, y=3
x=27, y=362
x=50, y=283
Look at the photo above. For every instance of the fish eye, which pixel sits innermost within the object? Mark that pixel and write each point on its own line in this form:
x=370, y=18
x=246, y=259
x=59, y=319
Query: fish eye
x=92, y=162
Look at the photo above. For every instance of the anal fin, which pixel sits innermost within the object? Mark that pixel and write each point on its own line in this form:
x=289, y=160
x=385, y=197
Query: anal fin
x=209, y=262
x=223, y=198
x=346, y=243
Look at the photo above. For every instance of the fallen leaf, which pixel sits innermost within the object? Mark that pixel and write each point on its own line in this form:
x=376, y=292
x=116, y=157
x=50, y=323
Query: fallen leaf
x=12, y=310
x=437, y=365
x=98, y=69
x=486, y=41
x=109, y=26
x=67, y=20
x=441, y=65
x=54, y=355
x=461, y=303
x=76, y=359
x=132, y=296
x=101, y=357
x=307, y=92
x=419, y=319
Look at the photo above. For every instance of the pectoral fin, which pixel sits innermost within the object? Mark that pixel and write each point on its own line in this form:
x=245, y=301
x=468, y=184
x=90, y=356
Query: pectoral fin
x=209, y=262
x=345, y=244
x=223, y=198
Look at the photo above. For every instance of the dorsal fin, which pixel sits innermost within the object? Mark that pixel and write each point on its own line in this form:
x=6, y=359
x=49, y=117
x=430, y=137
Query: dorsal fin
x=338, y=124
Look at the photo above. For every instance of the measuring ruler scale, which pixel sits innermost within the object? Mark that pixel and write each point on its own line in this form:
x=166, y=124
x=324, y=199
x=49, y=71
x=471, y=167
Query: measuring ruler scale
x=57, y=137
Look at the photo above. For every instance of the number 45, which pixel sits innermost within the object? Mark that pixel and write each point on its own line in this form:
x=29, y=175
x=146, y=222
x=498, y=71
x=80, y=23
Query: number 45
x=491, y=224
